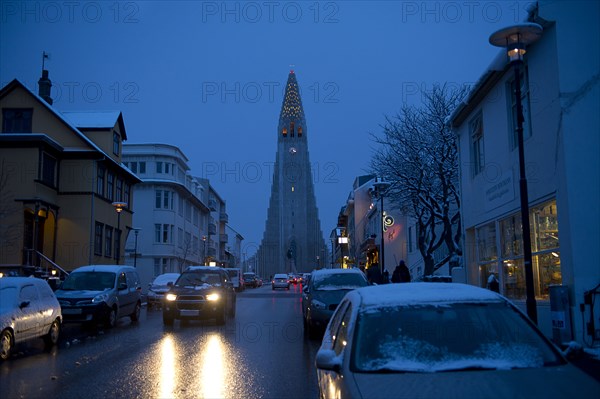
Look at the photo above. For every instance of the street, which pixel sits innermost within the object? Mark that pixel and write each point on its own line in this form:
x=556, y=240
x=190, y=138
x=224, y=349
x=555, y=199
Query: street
x=262, y=352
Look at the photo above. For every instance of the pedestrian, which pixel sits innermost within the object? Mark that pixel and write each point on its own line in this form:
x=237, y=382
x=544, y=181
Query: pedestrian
x=401, y=273
x=374, y=274
x=386, y=277
x=493, y=284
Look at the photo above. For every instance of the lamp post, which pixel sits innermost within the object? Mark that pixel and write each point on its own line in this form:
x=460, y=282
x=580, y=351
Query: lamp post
x=380, y=187
x=204, y=238
x=136, y=231
x=515, y=39
x=119, y=206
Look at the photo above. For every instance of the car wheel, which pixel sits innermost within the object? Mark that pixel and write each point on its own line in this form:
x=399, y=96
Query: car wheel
x=51, y=338
x=221, y=317
x=135, y=316
x=167, y=320
x=111, y=318
x=6, y=344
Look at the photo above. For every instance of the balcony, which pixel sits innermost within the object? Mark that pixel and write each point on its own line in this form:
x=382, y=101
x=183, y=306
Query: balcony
x=212, y=229
x=223, y=238
x=212, y=252
x=212, y=205
x=224, y=217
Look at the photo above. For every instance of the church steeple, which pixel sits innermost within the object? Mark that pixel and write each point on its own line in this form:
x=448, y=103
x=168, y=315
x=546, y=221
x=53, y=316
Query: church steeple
x=291, y=118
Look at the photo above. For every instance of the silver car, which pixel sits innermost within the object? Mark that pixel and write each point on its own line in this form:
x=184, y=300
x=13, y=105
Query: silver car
x=159, y=287
x=28, y=310
x=433, y=340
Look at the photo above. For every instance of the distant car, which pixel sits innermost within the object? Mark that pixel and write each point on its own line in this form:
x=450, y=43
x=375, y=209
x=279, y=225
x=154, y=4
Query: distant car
x=101, y=294
x=235, y=276
x=324, y=292
x=158, y=288
x=280, y=280
x=432, y=340
x=250, y=280
x=28, y=310
x=201, y=292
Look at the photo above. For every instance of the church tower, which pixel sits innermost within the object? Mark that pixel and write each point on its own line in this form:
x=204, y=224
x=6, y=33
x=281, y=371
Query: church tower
x=293, y=240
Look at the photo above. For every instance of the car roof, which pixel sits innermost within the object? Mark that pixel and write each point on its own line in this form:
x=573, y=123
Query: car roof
x=103, y=268
x=190, y=268
x=420, y=293
x=10, y=281
x=324, y=272
x=281, y=275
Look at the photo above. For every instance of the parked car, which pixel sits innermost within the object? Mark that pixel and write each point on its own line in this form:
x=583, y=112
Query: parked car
x=158, y=288
x=280, y=280
x=201, y=292
x=250, y=280
x=235, y=275
x=101, y=294
x=324, y=292
x=28, y=310
x=437, y=341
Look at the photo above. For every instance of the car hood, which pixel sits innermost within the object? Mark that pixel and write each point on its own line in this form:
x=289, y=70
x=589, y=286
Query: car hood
x=78, y=293
x=550, y=382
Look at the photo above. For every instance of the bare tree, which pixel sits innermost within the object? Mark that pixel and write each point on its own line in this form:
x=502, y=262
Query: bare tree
x=418, y=154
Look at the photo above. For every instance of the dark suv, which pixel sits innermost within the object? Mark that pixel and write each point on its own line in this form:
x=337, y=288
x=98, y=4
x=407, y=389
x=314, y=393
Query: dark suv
x=201, y=292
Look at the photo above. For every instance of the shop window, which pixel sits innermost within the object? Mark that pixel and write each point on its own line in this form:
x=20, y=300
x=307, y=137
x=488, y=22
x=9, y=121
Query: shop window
x=477, y=147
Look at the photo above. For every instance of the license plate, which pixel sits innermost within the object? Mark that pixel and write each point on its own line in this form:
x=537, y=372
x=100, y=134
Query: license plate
x=187, y=312
x=71, y=311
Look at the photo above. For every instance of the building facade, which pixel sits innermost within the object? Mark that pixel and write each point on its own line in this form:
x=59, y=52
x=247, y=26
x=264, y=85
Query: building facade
x=293, y=240
x=60, y=178
x=561, y=98
x=172, y=217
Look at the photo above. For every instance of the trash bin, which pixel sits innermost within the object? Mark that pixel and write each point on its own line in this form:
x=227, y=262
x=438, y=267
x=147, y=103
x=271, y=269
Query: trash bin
x=561, y=314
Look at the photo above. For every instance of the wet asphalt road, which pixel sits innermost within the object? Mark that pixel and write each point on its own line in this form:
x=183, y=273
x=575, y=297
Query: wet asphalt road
x=261, y=353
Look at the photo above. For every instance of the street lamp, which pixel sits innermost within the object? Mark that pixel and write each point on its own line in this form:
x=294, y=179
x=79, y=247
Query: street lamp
x=204, y=238
x=515, y=39
x=119, y=206
x=380, y=187
x=136, y=231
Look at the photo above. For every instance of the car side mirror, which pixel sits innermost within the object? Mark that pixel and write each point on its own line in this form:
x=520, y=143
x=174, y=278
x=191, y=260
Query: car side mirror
x=122, y=286
x=327, y=360
x=170, y=284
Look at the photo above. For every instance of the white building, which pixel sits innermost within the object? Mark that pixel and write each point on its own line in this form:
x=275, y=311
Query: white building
x=561, y=99
x=171, y=216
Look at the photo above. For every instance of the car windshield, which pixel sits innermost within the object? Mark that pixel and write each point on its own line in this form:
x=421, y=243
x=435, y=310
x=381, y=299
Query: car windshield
x=89, y=281
x=197, y=278
x=448, y=338
x=8, y=297
x=339, y=281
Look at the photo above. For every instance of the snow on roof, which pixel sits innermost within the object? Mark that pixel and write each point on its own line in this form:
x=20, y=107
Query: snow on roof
x=102, y=268
x=325, y=272
x=92, y=119
x=423, y=293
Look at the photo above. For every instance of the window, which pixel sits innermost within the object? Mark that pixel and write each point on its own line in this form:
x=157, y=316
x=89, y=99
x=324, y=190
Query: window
x=163, y=199
x=116, y=143
x=48, y=172
x=180, y=205
x=292, y=129
x=110, y=183
x=108, y=236
x=98, y=238
x=167, y=200
x=477, y=150
x=134, y=167
x=514, y=142
x=126, y=195
x=159, y=167
x=167, y=167
x=163, y=233
x=143, y=167
x=158, y=199
x=100, y=181
x=180, y=238
x=157, y=230
x=119, y=193
x=17, y=120
x=284, y=132
x=299, y=131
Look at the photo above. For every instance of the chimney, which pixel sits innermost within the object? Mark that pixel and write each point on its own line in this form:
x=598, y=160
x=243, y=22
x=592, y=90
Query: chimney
x=44, y=87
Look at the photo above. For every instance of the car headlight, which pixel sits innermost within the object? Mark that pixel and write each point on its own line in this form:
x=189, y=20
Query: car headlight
x=100, y=298
x=212, y=297
x=171, y=297
x=318, y=304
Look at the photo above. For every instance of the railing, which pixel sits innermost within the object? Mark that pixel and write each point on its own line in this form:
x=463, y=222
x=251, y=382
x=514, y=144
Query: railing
x=38, y=260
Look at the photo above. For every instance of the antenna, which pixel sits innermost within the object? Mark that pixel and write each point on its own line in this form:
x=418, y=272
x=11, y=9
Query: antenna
x=44, y=57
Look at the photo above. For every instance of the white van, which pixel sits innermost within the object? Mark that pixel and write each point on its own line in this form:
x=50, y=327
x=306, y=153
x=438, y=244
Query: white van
x=235, y=274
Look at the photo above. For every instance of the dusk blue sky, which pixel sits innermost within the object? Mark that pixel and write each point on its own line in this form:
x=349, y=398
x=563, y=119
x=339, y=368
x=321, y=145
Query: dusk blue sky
x=209, y=77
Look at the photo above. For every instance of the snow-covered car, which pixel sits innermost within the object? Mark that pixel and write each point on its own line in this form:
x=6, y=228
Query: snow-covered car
x=28, y=310
x=158, y=288
x=323, y=293
x=429, y=340
x=280, y=280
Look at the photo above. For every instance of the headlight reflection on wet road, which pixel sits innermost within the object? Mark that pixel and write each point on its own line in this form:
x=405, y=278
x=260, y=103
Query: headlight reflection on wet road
x=212, y=377
x=168, y=371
